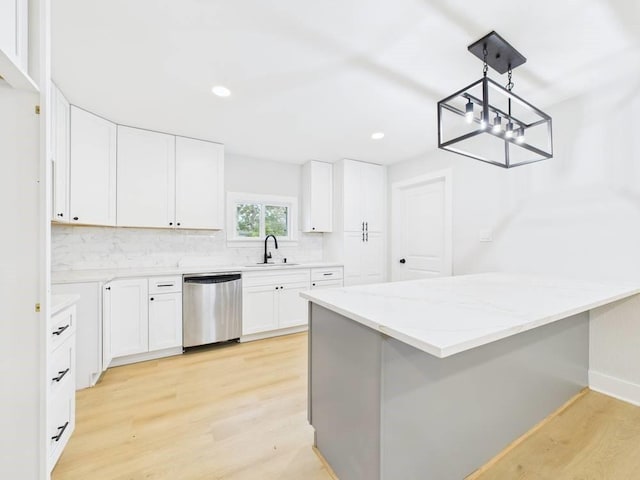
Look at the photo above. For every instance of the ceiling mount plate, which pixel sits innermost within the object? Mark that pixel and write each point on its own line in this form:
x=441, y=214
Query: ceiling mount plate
x=500, y=54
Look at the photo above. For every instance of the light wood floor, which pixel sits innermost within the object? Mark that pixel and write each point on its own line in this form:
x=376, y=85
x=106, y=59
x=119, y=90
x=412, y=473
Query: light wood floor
x=239, y=413
x=596, y=438
x=236, y=412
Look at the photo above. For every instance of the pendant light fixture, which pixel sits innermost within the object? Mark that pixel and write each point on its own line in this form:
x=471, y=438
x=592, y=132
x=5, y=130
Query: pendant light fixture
x=489, y=122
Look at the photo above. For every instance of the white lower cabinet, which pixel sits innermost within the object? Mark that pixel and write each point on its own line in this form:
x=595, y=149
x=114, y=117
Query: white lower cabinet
x=138, y=322
x=88, y=330
x=128, y=316
x=165, y=320
x=271, y=301
x=292, y=308
x=61, y=391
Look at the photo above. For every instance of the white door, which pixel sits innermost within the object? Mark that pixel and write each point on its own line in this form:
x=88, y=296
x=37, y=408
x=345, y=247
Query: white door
x=321, y=197
x=353, y=249
x=146, y=178
x=259, y=309
x=352, y=196
x=373, y=196
x=373, y=258
x=129, y=317
x=292, y=308
x=93, y=169
x=165, y=320
x=421, y=219
x=107, y=355
x=199, y=184
x=60, y=152
x=9, y=27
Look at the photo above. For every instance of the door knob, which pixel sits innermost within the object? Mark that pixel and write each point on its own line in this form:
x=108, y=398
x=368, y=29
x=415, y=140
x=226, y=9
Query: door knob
x=402, y=260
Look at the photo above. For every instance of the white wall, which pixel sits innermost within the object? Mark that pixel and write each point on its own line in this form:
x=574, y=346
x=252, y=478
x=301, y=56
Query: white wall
x=576, y=215
x=76, y=247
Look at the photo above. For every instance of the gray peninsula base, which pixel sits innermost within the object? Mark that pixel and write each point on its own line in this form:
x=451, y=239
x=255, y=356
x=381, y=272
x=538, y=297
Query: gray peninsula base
x=382, y=409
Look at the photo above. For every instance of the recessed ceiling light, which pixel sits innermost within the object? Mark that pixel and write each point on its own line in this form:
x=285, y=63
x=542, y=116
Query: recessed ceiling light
x=221, y=91
x=377, y=135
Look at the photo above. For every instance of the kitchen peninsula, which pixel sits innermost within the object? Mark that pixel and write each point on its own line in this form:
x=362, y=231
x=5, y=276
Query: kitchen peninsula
x=432, y=378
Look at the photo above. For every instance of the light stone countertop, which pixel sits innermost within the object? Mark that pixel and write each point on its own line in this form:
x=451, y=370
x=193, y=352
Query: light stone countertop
x=448, y=315
x=105, y=275
x=60, y=302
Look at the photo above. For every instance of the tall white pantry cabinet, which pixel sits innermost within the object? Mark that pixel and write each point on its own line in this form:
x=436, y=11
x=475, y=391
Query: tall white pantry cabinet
x=359, y=198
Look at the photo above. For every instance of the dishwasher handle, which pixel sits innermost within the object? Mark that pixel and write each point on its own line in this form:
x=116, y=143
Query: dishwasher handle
x=207, y=279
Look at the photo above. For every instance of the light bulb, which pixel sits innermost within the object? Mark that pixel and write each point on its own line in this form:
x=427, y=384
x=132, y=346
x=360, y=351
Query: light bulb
x=469, y=112
x=520, y=135
x=509, y=132
x=497, y=124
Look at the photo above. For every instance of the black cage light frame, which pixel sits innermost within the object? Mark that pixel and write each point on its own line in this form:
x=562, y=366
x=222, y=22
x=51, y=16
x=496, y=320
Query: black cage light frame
x=502, y=57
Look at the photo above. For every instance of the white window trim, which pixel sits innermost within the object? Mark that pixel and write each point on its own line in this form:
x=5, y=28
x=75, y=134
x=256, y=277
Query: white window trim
x=233, y=198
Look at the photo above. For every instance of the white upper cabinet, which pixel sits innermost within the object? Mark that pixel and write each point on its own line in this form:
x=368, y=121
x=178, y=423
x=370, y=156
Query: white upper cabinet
x=14, y=43
x=146, y=178
x=199, y=184
x=60, y=111
x=363, y=196
x=93, y=169
x=317, y=194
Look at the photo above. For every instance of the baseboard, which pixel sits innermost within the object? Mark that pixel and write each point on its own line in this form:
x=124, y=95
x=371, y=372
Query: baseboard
x=324, y=462
x=273, y=333
x=143, y=357
x=615, y=387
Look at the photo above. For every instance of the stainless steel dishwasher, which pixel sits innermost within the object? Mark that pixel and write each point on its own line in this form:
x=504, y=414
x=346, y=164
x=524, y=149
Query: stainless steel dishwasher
x=211, y=308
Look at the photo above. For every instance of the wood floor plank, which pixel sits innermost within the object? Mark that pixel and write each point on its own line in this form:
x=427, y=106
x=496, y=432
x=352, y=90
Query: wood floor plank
x=234, y=412
x=596, y=438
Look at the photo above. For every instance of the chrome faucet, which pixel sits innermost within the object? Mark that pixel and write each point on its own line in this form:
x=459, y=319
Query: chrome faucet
x=267, y=256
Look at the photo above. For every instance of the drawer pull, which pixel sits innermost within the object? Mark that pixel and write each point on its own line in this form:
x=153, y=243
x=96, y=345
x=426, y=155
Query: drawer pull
x=61, y=428
x=164, y=285
x=327, y=274
x=60, y=330
x=61, y=375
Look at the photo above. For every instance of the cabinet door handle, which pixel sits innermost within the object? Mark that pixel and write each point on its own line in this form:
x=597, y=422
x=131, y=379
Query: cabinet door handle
x=60, y=214
x=61, y=375
x=402, y=260
x=170, y=223
x=366, y=226
x=178, y=223
x=75, y=218
x=363, y=235
x=363, y=226
x=313, y=228
x=107, y=288
x=164, y=285
x=60, y=330
x=367, y=235
x=327, y=274
x=313, y=284
x=151, y=299
x=61, y=430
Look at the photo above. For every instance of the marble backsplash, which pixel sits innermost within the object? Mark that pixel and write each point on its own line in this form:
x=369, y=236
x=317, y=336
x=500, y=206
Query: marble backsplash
x=83, y=248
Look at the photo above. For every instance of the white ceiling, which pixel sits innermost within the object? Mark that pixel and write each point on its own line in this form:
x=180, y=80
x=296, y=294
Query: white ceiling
x=313, y=79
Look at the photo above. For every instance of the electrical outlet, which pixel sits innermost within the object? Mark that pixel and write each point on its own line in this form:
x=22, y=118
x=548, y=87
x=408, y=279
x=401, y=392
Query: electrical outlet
x=486, y=235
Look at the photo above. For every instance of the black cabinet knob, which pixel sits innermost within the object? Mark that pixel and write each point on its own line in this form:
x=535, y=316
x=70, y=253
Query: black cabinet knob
x=107, y=288
x=151, y=299
x=178, y=224
x=60, y=214
x=313, y=284
x=170, y=223
x=402, y=260
x=313, y=228
x=75, y=218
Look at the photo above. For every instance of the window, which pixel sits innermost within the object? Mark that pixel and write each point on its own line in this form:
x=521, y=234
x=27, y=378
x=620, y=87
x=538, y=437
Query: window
x=251, y=217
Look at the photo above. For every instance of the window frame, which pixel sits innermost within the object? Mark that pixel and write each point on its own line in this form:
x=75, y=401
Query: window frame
x=235, y=198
